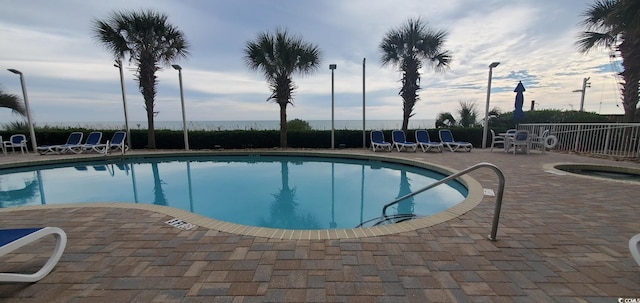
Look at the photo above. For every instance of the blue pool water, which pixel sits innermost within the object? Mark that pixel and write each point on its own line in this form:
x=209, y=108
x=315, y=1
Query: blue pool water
x=271, y=191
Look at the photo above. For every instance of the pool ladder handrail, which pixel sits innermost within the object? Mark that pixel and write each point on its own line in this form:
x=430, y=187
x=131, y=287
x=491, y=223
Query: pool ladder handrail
x=496, y=213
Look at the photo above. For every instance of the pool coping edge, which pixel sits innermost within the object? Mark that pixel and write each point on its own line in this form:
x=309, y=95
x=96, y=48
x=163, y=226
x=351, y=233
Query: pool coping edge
x=474, y=197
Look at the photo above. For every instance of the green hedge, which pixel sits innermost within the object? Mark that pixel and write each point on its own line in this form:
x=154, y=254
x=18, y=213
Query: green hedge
x=238, y=139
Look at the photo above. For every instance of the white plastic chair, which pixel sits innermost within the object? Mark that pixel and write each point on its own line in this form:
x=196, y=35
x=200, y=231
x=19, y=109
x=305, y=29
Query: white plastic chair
x=539, y=141
x=496, y=140
x=4, y=149
x=17, y=140
x=522, y=140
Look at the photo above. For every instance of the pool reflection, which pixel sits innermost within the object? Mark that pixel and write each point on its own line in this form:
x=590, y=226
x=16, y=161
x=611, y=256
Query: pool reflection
x=284, y=208
x=19, y=194
x=406, y=206
x=158, y=192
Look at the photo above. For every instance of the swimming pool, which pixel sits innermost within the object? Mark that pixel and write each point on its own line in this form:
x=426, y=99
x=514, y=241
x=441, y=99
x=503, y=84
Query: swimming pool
x=286, y=192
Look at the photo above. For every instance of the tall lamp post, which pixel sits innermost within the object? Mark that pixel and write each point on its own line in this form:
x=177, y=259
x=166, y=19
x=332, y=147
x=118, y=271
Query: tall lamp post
x=486, y=110
x=34, y=144
x=585, y=84
x=184, y=118
x=124, y=102
x=332, y=67
x=364, y=133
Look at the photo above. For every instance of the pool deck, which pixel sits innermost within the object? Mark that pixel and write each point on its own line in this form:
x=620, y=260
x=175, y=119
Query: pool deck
x=561, y=238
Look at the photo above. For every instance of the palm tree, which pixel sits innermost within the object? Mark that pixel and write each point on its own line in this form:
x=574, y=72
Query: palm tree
x=468, y=113
x=406, y=48
x=614, y=24
x=12, y=102
x=445, y=120
x=150, y=42
x=278, y=56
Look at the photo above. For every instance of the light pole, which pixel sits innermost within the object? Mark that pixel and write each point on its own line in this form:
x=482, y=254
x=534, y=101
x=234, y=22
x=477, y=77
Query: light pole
x=585, y=84
x=486, y=110
x=124, y=102
x=364, y=133
x=34, y=144
x=184, y=119
x=332, y=67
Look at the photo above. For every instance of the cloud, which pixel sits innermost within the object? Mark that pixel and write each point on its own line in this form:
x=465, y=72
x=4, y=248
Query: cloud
x=70, y=76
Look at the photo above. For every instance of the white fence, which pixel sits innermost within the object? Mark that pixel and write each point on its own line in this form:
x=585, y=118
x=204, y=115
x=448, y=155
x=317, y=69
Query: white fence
x=619, y=140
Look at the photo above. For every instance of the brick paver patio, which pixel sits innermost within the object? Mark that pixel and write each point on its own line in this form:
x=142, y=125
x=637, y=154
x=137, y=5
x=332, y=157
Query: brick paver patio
x=561, y=238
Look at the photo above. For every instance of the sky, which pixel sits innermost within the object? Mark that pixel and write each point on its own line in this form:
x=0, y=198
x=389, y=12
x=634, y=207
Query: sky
x=70, y=76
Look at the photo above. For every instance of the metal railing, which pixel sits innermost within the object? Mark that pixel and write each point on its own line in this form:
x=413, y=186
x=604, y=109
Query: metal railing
x=498, y=207
x=618, y=140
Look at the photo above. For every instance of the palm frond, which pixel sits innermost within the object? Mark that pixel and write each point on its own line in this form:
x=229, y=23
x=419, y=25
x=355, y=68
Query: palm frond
x=590, y=40
x=597, y=16
x=12, y=102
x=278, y=56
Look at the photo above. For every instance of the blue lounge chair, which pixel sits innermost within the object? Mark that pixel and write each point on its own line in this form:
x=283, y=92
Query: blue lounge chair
x=446, y=137
x=423, y=140
x=74, y=139
x=400, y=141
x=377, y=141
x=89, y=145
x=13, y=239
x=117, y=142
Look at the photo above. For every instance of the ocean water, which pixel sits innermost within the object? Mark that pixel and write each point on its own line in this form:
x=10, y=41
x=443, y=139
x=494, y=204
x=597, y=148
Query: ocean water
x=248, y=125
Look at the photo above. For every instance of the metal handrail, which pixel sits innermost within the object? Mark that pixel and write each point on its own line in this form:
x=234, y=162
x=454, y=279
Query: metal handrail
x=398, y=218
x=496, y=213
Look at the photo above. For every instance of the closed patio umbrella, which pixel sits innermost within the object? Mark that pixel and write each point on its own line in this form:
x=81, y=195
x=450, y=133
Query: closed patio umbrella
x=518, y=114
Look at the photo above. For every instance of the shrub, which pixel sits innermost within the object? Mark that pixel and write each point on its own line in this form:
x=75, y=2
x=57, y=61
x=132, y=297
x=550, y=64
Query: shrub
x=298, y=125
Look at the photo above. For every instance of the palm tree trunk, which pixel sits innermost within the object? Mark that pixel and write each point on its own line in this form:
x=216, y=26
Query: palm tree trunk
x=630, y=75
x=147, y=83
x=151, y=130
x=405, y=122
x=630, y=98
x=409, y=90
x=283, y=123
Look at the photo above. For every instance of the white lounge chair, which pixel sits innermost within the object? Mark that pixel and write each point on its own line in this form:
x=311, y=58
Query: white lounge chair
x=377, y=141
x=634, y=248
x=400, y=141
x=17, y=140
x=13, y=239
x=423, y=140
x=446, y=137
x=117, y=142
x=93, y=139
x=74, y=139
